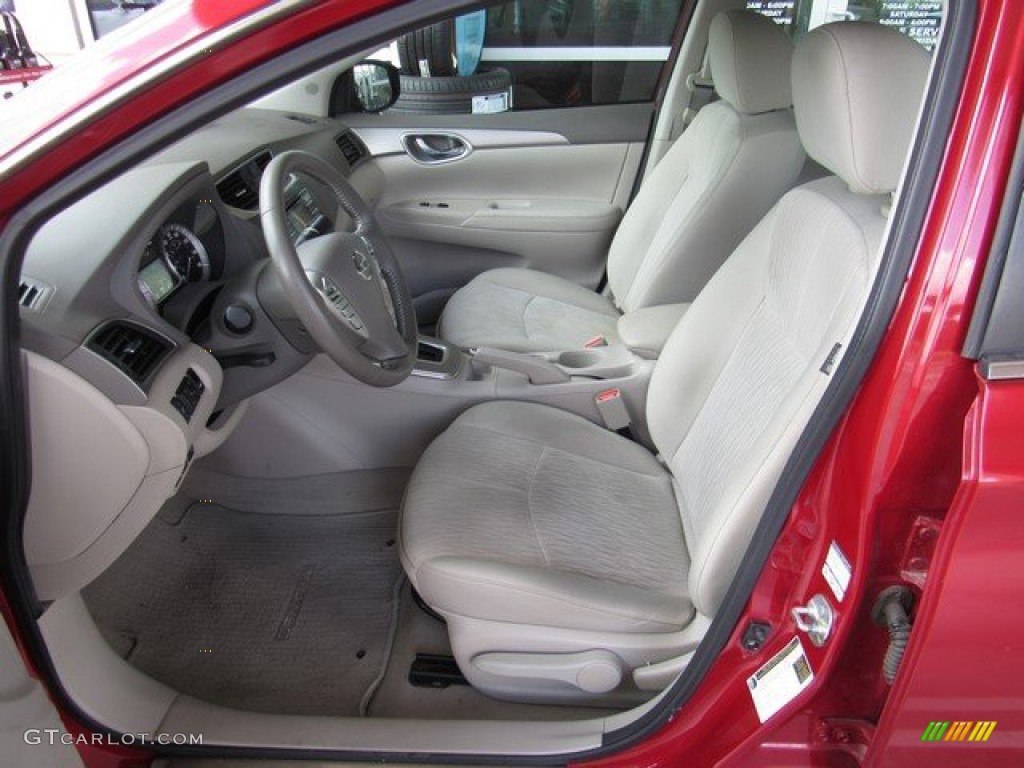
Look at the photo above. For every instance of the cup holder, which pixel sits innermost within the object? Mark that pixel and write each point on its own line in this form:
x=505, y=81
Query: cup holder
x=580, y=358
x=607, y=362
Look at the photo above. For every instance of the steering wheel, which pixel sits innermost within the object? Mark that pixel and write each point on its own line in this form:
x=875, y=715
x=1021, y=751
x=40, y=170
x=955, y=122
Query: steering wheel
x=346, y=288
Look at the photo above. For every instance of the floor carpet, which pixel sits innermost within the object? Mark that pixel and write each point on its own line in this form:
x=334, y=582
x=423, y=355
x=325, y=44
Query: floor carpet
x=285, y=607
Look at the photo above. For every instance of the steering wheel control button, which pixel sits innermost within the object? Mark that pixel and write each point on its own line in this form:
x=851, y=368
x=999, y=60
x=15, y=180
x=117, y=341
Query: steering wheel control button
x=238, y=318
x=337, y=302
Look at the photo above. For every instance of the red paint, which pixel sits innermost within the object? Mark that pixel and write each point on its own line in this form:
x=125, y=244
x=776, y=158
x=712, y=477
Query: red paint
x=970, y=667
x=894, y=464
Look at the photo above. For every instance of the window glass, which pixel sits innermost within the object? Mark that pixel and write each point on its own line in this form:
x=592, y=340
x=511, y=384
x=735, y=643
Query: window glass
x=536, y=54
x=918, y=19
x=108, y=15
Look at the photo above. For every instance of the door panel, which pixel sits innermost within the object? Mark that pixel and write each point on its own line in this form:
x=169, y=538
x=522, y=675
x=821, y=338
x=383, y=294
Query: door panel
x=548, y=208
x=610, y=123
x=543, y=190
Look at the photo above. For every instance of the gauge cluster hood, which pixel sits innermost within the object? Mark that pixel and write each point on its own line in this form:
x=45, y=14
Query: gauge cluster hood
x=76, y=250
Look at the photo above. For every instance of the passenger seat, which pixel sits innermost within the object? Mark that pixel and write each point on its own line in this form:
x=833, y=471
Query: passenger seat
x=737, y=158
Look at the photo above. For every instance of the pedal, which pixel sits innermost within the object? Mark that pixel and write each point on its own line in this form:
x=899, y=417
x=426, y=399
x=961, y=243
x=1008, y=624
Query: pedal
x=431, y=670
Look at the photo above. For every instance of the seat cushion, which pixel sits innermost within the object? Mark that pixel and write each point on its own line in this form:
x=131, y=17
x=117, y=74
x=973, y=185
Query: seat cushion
x=526, y=311
x=524, y=513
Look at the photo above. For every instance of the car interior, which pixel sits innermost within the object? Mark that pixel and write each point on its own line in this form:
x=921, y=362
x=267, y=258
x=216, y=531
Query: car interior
x=394, y=432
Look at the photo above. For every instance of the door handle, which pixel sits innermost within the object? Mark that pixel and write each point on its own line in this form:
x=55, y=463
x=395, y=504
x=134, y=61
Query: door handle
x=435, y=148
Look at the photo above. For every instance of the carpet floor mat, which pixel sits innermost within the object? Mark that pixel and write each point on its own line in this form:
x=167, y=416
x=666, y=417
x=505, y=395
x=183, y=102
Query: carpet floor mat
x=287, y=613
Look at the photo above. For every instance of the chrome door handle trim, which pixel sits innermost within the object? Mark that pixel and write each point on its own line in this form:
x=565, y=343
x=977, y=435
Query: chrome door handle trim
x=420, y=148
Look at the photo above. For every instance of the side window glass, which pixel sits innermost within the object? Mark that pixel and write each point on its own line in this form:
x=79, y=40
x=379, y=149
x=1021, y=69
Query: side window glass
x=918, y=19
x=536, y=54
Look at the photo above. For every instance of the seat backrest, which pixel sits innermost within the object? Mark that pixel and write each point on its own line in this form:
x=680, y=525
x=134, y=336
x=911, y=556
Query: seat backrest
x=740, y=375
x=720, y=177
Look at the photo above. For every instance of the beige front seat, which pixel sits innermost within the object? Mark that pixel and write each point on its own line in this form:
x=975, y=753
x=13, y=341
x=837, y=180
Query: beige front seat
x=716, y=182
x=568, y=561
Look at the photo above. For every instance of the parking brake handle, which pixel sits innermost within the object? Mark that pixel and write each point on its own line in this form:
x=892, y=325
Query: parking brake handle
x=536, y=369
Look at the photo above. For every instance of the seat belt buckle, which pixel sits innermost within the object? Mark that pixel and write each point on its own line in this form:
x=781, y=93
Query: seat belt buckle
x=612, y=407
x=594, y=342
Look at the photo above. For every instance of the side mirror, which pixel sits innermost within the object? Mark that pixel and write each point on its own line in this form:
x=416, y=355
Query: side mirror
x=376, y=85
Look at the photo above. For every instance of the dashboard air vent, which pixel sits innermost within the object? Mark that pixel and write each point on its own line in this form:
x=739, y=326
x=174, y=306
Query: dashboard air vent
x=235, y=191
x=351, y=147
x=134, y=350
x=241, y=187
x=32, y=294
x=262, y=160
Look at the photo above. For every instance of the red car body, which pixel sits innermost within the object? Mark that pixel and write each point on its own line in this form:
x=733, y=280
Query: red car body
x=923, y=479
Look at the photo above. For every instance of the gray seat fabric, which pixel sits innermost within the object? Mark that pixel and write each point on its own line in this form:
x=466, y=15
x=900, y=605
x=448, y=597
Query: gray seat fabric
x=516, y=513
x=720, y=177
x=524, y=526
x=523, y=310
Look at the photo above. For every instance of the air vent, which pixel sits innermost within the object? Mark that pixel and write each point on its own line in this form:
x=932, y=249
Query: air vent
x=304, y=119
x=235, y=191
x=241, y=187
x=262, y=160
x=134, y=350
x=32, y=294
x=351, y=147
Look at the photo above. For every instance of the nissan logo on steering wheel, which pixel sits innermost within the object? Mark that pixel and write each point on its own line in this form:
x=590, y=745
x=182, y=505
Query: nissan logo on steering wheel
x=362, y=262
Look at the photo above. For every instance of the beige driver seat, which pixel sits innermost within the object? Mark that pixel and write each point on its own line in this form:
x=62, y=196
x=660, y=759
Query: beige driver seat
x=720, y=177
x=571, y=563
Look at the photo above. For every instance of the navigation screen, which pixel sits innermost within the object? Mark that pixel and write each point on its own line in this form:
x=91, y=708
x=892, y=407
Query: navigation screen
x=158, y=279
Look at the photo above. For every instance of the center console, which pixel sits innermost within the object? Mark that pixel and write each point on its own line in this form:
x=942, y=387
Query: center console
x=322, y=420
x=585, y=381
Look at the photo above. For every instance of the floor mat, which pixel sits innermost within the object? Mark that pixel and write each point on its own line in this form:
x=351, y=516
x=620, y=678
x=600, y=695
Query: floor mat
x=287, y=613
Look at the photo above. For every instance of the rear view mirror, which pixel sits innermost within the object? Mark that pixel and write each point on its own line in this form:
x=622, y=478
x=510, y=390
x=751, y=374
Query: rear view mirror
x=376, y=85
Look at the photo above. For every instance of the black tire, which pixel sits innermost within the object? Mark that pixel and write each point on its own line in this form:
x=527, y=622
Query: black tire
x=448, y=95
x=434, y=45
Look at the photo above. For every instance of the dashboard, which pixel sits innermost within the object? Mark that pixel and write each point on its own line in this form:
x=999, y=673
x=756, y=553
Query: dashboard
x=150, y=312
x=173, y=250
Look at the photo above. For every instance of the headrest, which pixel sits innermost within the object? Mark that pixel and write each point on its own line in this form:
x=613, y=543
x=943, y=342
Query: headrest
x=857, y=89
x=750, y=59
